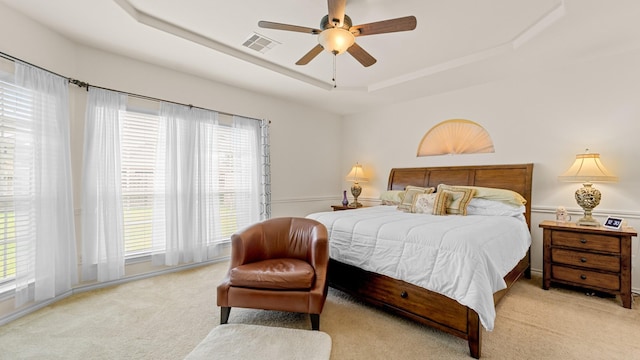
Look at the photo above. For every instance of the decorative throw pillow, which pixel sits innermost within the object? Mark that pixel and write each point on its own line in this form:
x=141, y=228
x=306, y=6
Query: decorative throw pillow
x=409, y=193
x=442, y=203
x=423, y=203
x=391, y=197
x=434, y=203
x=460, y=198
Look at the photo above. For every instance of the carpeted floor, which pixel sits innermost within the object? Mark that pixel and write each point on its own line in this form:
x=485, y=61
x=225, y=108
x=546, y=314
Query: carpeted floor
x=165, y=317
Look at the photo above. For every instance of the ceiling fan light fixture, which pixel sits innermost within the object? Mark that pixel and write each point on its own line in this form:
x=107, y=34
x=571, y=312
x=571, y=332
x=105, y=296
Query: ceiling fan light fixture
x=336, y=40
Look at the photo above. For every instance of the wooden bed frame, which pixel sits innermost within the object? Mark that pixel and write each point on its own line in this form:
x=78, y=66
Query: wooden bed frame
x=415, y=302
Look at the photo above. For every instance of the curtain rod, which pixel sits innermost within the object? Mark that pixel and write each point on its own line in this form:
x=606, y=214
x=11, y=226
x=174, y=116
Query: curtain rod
x=86, y=85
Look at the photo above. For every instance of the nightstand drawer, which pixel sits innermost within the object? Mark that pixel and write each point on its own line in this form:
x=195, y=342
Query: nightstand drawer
x=585, y=259
x=591, y=242
x=586, y=277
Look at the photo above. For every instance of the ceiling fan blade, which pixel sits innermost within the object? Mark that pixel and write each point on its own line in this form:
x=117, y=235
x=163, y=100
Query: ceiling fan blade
x=287, y=27
x=310, y=55
x=361, y=55
x=386, y=26
x=336, y=11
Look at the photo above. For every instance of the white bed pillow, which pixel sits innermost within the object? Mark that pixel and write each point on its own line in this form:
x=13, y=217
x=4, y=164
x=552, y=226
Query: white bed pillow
x=503, y=195
x=480, y=206
x=392, y=197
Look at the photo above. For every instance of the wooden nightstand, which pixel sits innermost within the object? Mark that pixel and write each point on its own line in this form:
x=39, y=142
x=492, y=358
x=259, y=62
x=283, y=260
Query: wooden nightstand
x=595, y=258
x=341, y=207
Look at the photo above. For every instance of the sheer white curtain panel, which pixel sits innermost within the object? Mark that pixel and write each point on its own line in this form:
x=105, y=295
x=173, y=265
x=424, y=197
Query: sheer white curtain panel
x=46, y=247
x=183, y=217
x=102, y=216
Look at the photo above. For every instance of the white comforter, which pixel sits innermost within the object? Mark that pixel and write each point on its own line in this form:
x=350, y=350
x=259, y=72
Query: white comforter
x=462, y=257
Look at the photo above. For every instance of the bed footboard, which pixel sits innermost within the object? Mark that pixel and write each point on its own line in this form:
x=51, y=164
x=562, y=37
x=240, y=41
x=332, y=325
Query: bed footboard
x=416, y=303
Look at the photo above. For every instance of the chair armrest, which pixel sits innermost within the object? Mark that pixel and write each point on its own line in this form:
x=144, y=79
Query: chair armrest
x=320, y=262
x=320, y=248
x=246, y=245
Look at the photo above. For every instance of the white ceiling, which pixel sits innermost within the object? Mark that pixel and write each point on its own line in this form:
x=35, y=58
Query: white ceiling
x=457, y=43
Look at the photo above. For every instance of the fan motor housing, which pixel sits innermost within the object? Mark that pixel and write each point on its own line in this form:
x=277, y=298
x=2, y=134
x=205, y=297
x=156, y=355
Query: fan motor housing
x=326, y=24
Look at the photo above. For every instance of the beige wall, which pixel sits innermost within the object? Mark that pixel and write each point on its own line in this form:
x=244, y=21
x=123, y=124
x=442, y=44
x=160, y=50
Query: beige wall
x=543, y=118
x=303, y=151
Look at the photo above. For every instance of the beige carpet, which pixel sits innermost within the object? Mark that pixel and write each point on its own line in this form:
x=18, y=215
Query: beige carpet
x=166, y=317
x=241, y=342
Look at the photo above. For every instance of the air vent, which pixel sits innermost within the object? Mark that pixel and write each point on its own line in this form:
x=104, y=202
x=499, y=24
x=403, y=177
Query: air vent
x=260, y=43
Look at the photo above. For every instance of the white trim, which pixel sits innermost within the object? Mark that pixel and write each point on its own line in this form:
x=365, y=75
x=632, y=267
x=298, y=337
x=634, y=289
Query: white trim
x=307, y=199
x=162, y=25
x=597, y=212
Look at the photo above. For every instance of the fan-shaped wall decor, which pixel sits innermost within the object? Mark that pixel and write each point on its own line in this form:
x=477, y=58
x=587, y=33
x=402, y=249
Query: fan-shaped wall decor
x=455, y=136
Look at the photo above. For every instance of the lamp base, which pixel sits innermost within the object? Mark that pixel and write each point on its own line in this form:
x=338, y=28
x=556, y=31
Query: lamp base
x=356, y=190
x=588, y=198
x=588, y=221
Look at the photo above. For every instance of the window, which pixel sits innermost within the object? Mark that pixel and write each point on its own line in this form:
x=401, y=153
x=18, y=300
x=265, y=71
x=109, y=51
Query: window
x=15, y=107
x=138, y=146
x=231, y=185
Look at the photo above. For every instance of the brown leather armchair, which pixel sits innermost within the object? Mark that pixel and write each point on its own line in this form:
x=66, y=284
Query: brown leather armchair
x=278, y=264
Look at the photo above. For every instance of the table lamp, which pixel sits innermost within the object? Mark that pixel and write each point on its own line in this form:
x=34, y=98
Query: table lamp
x=586, y=169
x=356, y=175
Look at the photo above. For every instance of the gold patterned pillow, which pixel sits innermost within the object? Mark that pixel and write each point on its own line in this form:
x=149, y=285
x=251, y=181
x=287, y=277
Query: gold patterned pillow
x=460, y=198
x=434, y=203
x=442, y=203
x=409, y=193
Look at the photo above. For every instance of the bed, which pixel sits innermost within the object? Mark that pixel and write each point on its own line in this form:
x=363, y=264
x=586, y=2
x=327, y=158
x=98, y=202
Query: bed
x=408, y=298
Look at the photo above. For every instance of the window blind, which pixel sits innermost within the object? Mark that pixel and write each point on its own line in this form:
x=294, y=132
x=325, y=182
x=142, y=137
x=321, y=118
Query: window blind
x=15, y=115
x=226, y=194
x=231, y=196
x=138, y=146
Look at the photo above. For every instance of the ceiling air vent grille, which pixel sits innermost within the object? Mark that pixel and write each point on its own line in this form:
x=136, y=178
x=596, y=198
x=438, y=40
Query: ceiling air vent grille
x=260, y=43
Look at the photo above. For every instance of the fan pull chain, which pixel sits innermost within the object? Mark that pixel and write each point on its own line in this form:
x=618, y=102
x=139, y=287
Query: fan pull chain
x=334, y=71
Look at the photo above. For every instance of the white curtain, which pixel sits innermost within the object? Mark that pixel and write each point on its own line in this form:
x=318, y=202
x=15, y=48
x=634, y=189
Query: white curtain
x=186, y=176
x=46, y=248
x=102, y=217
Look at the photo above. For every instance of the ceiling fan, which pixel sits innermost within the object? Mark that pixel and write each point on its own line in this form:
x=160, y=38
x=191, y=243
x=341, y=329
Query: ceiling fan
x=337, y=33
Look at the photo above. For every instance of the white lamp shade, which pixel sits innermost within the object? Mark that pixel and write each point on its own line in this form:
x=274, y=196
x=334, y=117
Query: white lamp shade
x=357, y=174
x=336, y=40
x=588, y=168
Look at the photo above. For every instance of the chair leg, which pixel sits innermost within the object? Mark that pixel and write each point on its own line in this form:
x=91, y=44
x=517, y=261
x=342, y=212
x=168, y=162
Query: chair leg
x=315, y=321
x=224, y=314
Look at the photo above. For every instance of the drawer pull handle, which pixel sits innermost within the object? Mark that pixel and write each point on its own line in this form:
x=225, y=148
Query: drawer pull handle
x=404, y=295
x=583, y=277
x=584, y=241
x=583, y=260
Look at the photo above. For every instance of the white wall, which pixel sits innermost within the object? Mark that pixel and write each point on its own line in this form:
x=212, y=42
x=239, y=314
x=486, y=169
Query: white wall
x=303, y=155
x=303, y=151
x=543, y=118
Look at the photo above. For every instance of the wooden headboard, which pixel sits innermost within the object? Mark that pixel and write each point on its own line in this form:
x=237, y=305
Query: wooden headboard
x=512, y=177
